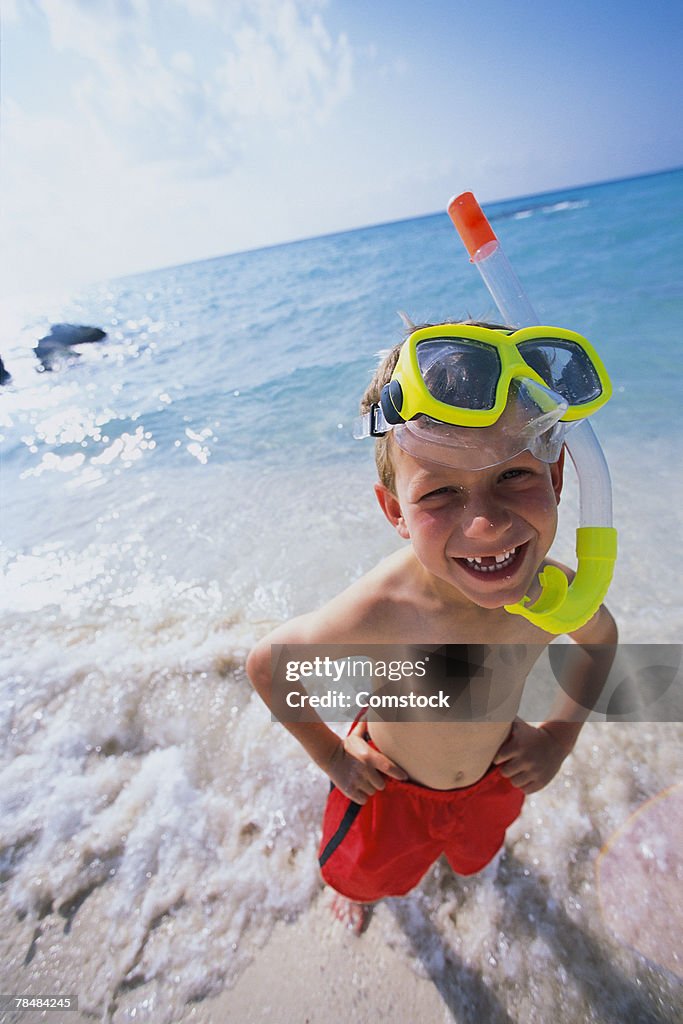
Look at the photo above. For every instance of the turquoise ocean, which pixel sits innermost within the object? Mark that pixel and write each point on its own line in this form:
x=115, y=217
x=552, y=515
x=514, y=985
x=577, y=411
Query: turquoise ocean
x=170, y=494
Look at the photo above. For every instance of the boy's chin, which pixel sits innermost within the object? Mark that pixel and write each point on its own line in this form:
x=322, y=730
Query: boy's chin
x=493, y=601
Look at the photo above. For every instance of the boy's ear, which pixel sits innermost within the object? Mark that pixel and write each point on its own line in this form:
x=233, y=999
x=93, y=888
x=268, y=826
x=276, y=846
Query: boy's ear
x=389, y=504
x=557, y=475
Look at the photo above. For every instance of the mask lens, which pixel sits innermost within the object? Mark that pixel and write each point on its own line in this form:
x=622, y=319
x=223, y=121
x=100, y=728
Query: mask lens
x=565, y=367
x=459, y=372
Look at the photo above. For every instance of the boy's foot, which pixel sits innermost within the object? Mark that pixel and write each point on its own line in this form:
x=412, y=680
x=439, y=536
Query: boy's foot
x=354, y=916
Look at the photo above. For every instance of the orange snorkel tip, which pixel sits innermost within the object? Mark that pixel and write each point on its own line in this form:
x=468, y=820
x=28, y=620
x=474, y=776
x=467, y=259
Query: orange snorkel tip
x=470, y=223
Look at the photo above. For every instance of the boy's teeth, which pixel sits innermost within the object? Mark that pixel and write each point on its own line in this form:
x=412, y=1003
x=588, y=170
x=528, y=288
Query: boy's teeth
x=501, y=561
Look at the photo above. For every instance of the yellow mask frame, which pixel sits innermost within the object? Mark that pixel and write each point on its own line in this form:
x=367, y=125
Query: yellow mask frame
x=407, y=394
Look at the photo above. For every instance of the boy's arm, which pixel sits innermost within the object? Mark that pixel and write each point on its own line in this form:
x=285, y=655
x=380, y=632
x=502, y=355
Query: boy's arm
x=587, y=667
x=352, y=764
x=531, y=756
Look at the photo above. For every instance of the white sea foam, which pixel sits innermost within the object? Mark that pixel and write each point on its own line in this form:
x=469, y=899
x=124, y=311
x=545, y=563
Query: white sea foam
x=567, y=204
x=561, y=207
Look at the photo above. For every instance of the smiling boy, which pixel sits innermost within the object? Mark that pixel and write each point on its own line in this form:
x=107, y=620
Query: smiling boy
x=478, y=511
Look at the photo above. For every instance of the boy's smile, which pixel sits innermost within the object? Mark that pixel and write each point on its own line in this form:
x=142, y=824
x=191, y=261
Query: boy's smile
x=515, y=573
x=484, y=532
x=492, y=565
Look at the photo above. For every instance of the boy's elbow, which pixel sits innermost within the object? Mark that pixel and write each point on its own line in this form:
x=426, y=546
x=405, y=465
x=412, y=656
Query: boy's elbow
x=609, y=634
x=259, y=669
x=601, y=629
x=612, y=630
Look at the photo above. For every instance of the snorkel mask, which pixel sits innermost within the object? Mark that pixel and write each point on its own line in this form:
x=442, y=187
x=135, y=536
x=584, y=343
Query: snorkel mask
x=472, y=397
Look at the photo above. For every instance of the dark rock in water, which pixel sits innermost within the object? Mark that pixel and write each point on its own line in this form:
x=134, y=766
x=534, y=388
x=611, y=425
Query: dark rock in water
x=63, y=337
x=74, y=334
x=5, y=377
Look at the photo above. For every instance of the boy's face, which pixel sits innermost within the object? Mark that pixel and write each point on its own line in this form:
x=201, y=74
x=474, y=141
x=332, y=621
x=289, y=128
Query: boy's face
x=484, y=532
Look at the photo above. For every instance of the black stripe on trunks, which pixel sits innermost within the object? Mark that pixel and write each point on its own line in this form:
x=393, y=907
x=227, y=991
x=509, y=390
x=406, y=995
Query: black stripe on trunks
x=345, y=824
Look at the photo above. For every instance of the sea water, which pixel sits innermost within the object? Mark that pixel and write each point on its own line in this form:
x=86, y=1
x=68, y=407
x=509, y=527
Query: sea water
x=172, y=493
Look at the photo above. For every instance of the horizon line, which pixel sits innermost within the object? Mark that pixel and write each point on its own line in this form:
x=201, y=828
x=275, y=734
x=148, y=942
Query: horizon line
x=397, y=220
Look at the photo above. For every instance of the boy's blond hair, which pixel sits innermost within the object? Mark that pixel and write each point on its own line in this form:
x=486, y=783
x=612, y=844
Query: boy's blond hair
x=382, y=376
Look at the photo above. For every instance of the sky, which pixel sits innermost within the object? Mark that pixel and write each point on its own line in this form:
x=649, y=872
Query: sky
x=137, y=134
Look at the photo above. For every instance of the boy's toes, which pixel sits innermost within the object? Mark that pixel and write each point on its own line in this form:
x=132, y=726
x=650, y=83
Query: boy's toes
x=354, y=916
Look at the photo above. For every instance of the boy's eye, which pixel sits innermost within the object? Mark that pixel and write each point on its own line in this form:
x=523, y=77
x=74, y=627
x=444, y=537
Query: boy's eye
x=514, y=474
x=440, y=492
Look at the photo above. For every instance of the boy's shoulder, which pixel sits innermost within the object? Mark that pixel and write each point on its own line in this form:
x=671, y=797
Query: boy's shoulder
x=373, y=608
x=367, y=611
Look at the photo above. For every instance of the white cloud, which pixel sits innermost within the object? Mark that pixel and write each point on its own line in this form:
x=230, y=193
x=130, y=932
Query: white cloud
x=271, y=66
x=140, y=143
x=290, y=70
x=63, y=201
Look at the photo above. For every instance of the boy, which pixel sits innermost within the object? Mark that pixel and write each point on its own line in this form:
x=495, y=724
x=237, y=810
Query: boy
x=479, y=511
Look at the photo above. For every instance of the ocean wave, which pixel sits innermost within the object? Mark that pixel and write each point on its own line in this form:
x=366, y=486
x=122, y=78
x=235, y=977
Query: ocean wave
x=561, y=207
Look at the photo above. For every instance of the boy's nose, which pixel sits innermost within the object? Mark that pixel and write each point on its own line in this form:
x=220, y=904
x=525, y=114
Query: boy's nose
x=485, y=520
x=482, y=526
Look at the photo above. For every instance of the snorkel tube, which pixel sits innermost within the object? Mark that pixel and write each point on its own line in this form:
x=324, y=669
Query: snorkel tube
x=561, y=607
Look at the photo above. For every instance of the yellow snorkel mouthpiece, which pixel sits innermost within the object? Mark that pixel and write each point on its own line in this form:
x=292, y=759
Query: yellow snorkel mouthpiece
x=562, y=607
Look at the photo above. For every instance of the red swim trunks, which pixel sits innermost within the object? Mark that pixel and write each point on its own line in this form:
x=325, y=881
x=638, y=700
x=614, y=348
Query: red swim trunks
x=384, y=846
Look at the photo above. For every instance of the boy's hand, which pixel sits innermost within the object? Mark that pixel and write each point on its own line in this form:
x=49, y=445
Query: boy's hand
x=358, y=769
x=530, y=757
